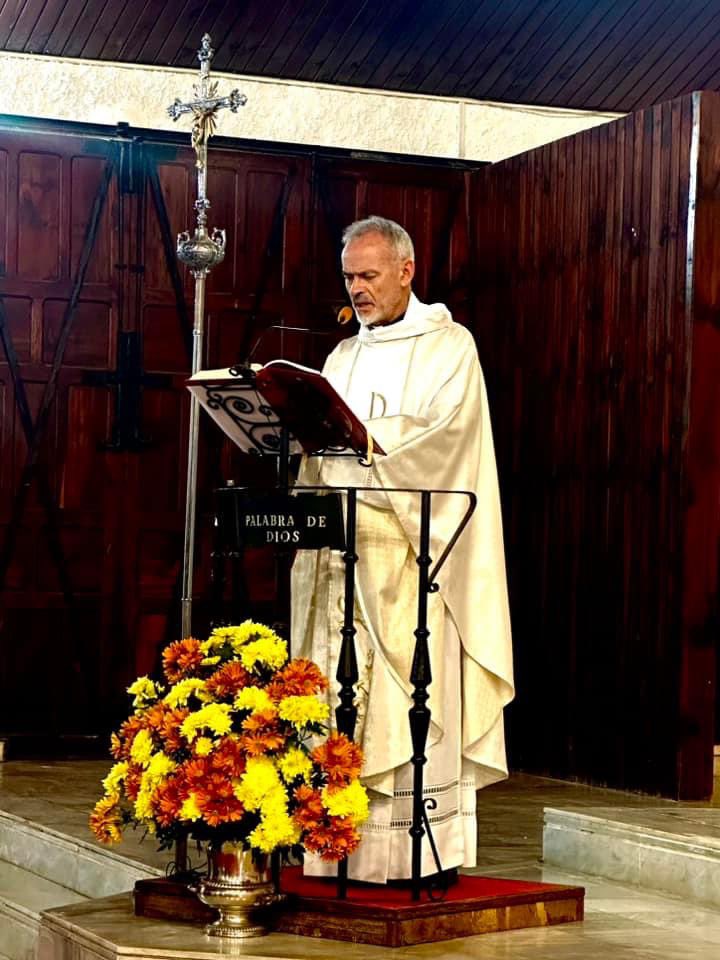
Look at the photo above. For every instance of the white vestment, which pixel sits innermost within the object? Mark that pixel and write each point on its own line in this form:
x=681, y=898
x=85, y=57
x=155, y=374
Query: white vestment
x=418, y=386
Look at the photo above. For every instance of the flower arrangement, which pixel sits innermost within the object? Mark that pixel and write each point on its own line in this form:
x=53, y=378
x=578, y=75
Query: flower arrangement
x=233, y=746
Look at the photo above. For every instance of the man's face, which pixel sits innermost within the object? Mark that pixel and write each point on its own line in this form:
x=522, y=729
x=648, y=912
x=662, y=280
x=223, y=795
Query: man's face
x=376, y=279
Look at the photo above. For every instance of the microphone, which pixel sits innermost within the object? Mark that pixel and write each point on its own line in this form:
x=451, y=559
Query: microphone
x=345, y=316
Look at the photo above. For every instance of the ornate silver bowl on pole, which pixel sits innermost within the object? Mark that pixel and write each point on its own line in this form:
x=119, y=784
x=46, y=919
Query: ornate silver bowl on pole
x=200, y=252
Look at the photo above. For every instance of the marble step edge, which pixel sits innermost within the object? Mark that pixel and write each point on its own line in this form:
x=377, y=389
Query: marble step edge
x=19, y=930
x=79, y=865
x=637, y=855
x=62, y=935
x=23, y=897
x=58, y=935
x=577, y=820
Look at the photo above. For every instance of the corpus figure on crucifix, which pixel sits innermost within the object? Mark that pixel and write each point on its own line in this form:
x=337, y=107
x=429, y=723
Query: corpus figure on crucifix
x=412, y=374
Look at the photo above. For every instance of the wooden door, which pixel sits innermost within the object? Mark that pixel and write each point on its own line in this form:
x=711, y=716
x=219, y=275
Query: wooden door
x=58, y=566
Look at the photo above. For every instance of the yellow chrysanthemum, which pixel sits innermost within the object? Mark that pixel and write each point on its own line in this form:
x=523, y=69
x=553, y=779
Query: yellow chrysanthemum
x=160, y=766
x=190, y=810
x=203, y=746
x=209, y=661
x=276, y=830
x=142, y=748
x=267, y=651
x=179, y=695
x=258, y=782
x=236, y=636
x=115, y=777
x=303, y=710
x=351, y=801
x=254, y=698
x=144, y=690
x=295, y=763
x=214, y=717
x=143, y=804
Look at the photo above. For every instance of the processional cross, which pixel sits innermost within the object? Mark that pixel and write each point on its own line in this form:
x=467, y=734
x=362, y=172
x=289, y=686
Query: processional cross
x=200, y=252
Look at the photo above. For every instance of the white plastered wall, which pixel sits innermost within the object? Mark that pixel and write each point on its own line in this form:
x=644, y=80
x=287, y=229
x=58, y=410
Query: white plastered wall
x=284, y=111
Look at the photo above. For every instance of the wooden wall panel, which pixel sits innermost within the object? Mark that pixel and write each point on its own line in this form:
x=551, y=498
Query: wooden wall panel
x=3, y=210
x=586, y=337
x=39, y=199
x=50, y=183
x=18, y=311
x=91, y=342
x=89, y=418
x=178, y=193
x=85, y=176
x=699, y=701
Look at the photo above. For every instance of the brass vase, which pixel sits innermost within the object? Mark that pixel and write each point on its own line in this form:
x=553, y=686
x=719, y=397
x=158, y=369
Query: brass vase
x=238, y=886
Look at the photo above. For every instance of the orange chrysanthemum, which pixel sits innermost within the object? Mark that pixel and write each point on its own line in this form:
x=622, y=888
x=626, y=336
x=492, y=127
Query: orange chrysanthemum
x=132, y=781
x=309, y=813
x=154, y=717
x=126, y=735
x=228, y=680
x=116, y=746
x=299, y=678
x=105, y=820
x=167, y=801
x=217, y=802
x=262, y=733
x=195, y=772
x=228, y=758
x=339, y=758
x=182, y=658
x=169, y=729
x=333, y=841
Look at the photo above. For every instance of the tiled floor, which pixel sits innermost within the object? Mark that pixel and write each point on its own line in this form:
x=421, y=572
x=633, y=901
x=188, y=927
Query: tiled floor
x=622, y=921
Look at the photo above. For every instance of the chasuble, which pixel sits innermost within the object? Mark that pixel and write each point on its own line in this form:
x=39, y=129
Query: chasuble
x=418, y=386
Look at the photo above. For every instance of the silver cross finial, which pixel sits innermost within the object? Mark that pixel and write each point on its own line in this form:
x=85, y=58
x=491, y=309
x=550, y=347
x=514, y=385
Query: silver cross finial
x=206, y=104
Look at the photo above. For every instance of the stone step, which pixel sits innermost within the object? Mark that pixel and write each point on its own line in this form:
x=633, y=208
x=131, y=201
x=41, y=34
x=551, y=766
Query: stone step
x=23, y=897
x=42, y=868
x=79, y=865
x=673, y=849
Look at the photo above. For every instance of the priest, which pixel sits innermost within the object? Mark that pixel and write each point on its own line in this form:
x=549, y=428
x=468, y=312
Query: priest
x=412, y=375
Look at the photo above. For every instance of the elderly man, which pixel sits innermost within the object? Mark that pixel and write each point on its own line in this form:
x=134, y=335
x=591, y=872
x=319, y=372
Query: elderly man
x=413, y=376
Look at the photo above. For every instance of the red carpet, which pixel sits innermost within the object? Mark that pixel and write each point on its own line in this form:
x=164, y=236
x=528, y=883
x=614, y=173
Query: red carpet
x=394, y=898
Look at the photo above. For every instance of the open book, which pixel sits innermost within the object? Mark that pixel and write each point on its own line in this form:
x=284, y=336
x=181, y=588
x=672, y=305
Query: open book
x=251, y=409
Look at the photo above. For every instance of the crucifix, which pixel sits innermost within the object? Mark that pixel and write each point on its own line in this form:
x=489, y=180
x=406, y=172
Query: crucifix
x=128, y=381
x=200, y=252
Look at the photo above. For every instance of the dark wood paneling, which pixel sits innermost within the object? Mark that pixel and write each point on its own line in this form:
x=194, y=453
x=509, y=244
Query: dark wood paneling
x=591, y=338
x=38, y=237
x=701, y=541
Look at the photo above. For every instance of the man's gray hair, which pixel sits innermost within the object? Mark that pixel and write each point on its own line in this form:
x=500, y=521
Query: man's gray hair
x=395, y=235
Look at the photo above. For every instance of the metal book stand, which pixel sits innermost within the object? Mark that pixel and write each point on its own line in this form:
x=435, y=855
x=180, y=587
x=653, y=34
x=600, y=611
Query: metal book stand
x=230, y=543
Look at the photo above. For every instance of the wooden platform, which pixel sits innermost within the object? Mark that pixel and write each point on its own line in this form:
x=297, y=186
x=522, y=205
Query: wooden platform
x=387, y=916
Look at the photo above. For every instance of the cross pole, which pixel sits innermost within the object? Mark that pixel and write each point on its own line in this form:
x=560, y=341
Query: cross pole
x=200, y=252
